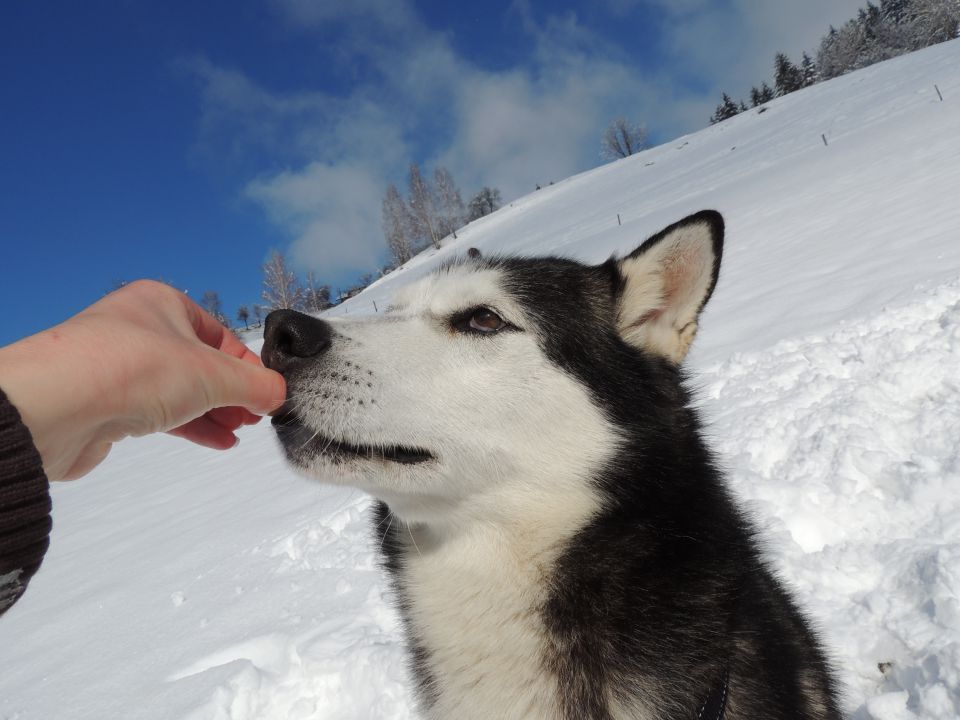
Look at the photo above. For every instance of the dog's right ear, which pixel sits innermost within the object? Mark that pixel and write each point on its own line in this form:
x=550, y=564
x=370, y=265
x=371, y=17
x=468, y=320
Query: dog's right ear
x=666, y=282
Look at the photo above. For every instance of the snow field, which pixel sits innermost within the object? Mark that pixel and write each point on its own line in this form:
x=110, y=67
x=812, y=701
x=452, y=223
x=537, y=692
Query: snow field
x=847, y=447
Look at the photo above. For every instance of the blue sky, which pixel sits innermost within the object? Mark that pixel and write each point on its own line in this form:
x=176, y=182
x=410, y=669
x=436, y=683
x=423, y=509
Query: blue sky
x=183, y=141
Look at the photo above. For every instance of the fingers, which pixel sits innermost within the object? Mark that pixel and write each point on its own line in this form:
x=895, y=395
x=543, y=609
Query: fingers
x=210, y=331
x=204, y=431
x=232, y=418
x=246, y=384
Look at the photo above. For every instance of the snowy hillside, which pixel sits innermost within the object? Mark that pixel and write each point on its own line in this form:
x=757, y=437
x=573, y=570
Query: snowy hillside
x=187, y=584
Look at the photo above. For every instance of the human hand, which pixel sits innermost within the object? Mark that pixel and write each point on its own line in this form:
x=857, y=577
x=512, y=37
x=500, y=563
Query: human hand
x=143, y=359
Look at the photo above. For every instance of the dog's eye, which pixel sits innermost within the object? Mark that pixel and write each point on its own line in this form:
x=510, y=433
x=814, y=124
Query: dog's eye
x=486, y=321
x=479, y=320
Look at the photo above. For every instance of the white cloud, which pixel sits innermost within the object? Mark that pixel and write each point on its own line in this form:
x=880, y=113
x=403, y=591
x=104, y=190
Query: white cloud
x=534, y=123
x=732, y=46
x=332, y=211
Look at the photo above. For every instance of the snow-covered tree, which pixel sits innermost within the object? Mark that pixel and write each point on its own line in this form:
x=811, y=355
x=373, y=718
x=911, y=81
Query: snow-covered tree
x=316, y=298
x=447, y=202
x=396, y=222
x=808, y=70
x=622, y=139
x=787, y=76
x=483, y=203
x=422, y=211
x=933, y=21
x=281, y=290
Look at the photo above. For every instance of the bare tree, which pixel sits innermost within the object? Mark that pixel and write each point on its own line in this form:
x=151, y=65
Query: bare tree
x=483, y=203
x=422, y=212
x=449, y=204
x=243, y=315
x=258, y=314
x=281, y=290
x=621, y=139
x=396, y=225
x=210, y=301
x=316, y=298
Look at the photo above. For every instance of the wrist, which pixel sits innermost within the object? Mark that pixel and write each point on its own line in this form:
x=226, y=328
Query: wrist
x=53, y=379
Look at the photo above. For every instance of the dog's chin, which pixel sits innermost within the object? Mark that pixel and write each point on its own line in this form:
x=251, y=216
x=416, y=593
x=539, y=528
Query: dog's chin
x=306, y=447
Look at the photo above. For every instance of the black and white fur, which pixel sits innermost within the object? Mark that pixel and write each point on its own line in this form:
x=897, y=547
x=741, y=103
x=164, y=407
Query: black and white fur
x=559, y=538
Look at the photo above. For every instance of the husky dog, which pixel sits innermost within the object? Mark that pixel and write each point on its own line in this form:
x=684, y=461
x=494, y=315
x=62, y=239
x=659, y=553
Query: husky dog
x=559, y=538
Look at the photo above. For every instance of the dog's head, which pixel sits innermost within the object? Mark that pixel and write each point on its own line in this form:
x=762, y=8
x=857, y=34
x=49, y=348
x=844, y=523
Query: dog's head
x=491, y=370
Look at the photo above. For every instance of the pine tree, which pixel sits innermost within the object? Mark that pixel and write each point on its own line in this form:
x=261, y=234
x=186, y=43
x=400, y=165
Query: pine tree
x=787, y=76
x=281, y=290
x=726, y=109
x=808, y=71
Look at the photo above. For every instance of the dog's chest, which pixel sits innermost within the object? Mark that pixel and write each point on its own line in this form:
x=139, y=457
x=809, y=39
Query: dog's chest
x=474, y=607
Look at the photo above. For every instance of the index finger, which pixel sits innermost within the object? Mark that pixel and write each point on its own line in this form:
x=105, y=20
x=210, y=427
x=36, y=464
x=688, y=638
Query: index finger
x=211, y=332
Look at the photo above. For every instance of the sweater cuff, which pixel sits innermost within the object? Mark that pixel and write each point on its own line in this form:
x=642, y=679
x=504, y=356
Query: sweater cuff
x=24, y=506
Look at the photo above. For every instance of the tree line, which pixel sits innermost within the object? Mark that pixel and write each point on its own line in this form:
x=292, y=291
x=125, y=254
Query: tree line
x=877, y=33
x=430, y=212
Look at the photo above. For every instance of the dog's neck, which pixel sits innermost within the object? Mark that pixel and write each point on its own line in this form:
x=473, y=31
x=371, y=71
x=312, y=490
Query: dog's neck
x=472, y=579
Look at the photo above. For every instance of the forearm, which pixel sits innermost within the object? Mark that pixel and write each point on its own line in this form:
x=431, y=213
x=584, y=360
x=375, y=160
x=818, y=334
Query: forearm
x=55, y=381
x=24, y=506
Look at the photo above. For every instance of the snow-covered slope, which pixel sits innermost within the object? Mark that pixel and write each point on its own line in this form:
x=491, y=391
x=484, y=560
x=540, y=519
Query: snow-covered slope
x=187, y=584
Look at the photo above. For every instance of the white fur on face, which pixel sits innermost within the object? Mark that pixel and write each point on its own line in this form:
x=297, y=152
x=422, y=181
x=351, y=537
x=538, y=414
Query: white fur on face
x=492, y=410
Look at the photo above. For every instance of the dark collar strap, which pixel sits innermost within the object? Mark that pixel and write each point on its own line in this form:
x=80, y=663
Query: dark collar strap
x=715, y=705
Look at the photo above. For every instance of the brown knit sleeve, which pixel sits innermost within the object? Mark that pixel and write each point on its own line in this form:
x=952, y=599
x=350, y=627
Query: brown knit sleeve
x=24, y=506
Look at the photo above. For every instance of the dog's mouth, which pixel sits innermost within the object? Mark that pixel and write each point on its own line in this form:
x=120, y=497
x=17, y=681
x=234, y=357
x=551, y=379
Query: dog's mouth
x=296, y=435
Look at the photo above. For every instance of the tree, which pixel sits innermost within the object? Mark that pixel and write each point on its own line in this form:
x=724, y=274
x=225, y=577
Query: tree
x=483, y=203
x=281, y=290
x=933, y=21
x=787, y=76
x=395, y=218
x=316, y=298
x=761, y=96
x=839, y=50
x=210, y=302
x=243, y=315
x=726, y=109
x=258, y=314
x=447, y=202
x=422, y=212
x=808, y=71
x=622, y=139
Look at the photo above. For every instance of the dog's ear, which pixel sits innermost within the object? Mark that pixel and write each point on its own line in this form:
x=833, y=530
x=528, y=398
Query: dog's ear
x=666, y=282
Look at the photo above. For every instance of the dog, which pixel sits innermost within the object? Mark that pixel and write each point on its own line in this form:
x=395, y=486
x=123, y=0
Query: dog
x=559, y=539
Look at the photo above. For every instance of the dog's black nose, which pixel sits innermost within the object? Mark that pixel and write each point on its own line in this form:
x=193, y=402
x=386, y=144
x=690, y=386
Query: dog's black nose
x=290, y=337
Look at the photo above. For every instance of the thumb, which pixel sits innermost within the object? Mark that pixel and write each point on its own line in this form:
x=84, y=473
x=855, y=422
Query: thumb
x=242, y=384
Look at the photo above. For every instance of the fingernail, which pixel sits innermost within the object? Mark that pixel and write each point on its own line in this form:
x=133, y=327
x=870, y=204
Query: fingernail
x=236, y=441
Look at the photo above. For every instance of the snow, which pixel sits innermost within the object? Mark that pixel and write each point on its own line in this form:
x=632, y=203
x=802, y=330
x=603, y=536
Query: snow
x=183, y=583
